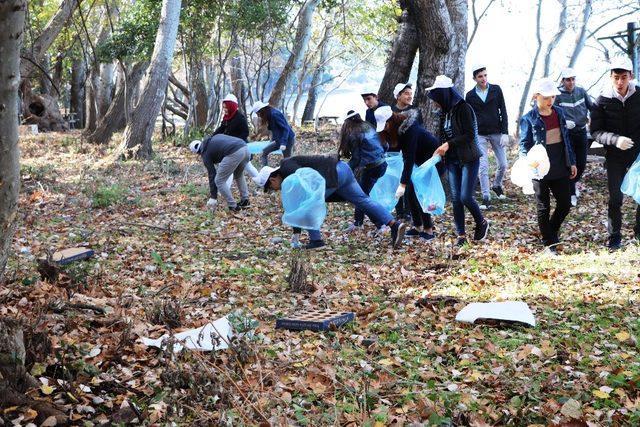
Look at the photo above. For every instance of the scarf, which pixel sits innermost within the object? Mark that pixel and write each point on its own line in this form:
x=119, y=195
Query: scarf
x=232, y=109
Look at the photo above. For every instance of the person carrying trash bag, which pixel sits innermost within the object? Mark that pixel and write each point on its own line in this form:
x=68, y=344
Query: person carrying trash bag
x=461, y=151
x=340, y=185
x=231, y=155
x=360, y=143
x=615, y=123
x=403, y=131
x=546, y=125
x=283, y=136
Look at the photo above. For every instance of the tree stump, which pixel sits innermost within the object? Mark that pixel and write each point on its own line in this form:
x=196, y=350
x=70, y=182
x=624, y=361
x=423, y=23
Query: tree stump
x=298, y=275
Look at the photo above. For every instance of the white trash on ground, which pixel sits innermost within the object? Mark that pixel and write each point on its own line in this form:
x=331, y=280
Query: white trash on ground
x=514, y=311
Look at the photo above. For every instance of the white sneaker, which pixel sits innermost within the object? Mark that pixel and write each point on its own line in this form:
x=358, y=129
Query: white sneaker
x=574, y=201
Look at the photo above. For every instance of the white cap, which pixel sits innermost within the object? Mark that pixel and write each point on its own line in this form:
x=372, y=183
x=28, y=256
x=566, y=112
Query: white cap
x=546, y=87
x=195, y=145
x=442, y=82
x=263, y=175
x=230, y=97
x=369, y=91
x=567, y=72
x=382, y=114
x=349, y=115
x=477, y=66
x=259, y=105
x=621, y=63
x=400, y=87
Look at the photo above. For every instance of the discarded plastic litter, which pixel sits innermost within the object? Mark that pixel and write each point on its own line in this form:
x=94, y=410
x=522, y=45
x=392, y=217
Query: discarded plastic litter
x=212, y=336
x=514, y=311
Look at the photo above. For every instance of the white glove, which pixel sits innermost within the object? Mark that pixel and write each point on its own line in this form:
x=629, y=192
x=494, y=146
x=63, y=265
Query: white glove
x=571, y=124
x=624, y=143
x=283, y=147
x=505, y=140
x=212, y=203
x=295, y=241
x=400, y=191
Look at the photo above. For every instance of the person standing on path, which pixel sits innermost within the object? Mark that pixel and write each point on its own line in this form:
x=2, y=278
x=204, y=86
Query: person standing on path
x=576, y=104
x=231, y=155
x=615, y=123
x=372, y=102
x=545, y=124
x=488, y=104
x=283, y=136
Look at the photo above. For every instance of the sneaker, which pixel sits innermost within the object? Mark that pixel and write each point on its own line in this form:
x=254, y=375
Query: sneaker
x=481, y=231
x=615, y=243
x=486, y=204
x=461, y=241
x=499, y=192
x=427, y=236
x=574, y=200
x=314, y=244
x=397, y=234
x=235, y=208
x=244, y=203
x=551, y=251
x=412, y=233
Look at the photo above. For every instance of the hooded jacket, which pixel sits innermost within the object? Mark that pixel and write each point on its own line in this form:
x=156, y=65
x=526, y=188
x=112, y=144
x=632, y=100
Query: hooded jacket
x=416, y=144
x=236, y=126
x=533, y=131
x=611, y=118
x=575, y=105
x=490, y=114
x=365, y=146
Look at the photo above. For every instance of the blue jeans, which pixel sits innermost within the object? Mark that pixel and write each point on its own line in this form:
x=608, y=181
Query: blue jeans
x=462, y=181
x=367, y=180
x=349, y=190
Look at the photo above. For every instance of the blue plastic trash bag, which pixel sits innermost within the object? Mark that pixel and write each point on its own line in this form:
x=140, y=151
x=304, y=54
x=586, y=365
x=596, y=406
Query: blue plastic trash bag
x=303, y=199
x=631, y=183
x=426, y=181
x=384, y=191
x=256, y=147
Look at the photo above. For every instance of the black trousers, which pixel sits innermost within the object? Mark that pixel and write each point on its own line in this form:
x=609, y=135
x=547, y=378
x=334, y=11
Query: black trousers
x=420, y=219
x=550, y=223
x=580, y=145
x=616, y=170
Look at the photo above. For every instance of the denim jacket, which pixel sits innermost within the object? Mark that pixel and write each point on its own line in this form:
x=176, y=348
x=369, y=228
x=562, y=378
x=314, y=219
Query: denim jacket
x=533, y=131
x=366, y=149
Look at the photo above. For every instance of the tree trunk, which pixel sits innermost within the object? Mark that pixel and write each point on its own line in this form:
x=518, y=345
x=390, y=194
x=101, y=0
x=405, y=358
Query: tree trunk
x=312, y=97
x=115, y=117
x=581, y=38
x=401, y=57
x=105, y=88
x=76, y=103
x=237, y=82
x=562, y=28
x=91, y=98
x=141, y=123
x=45, y=83
x=12, y=14
x=201, y=107
x=300, y=45
x=532, y=73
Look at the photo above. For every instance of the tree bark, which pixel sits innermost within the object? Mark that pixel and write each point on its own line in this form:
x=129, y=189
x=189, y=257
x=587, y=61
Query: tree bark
x=141, y=122
x=532, y=73
x=105, y=87
x=562, y=28
x=12, y=15
x=401, y=57
x=114, y=119
x=581, y=38
x=300, y=45
x=77, y=96
x=237, y=82
x=312, y=96
x=201, y=106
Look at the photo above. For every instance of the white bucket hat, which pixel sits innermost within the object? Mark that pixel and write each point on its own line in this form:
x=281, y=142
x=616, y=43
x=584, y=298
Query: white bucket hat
x=400, y=87
x=230, y=97
x=195, y=145
x=382, y=114
x=567, y=72
x=441, y=82
x=546, y=87
x=621, y=63
x=259, y=105
x=263, y=176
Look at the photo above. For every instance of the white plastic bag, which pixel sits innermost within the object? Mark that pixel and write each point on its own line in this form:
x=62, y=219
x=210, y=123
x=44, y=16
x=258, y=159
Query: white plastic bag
x=521, y=175
x=538, y=161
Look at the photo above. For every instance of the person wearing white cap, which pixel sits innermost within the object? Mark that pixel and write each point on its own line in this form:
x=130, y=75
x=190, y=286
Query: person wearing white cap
x=545, y=124
x=488, y=104
x=231, y=155
x=234, y=123
x=283, y=136
x=370, y=98
x=403, y=94
x=461, y=151
x=615, y=123
x=360, y=143
x=576, y=104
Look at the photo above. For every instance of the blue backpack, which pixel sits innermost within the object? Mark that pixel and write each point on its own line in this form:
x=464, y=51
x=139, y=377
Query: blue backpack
x=303, y=199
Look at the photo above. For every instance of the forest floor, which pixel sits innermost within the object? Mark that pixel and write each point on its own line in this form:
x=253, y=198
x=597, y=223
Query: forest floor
x=163, y=260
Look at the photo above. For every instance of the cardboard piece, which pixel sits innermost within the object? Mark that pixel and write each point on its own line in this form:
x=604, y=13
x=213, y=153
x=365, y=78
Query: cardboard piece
x=212, y=336
x=513, y=311
x=69, y=255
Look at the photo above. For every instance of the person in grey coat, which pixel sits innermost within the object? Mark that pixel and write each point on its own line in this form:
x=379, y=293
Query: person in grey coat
x=231, y=155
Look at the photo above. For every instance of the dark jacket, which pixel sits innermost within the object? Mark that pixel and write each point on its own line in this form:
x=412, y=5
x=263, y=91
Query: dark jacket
x=281, y=132
x=465, y=133
x=324, y=165
x=576, y=105
x=366, y=148
x=416, y=143
x=213, y=150
x=533, y=131
x=611, y=118
x=370, y=115
x=237, y=127
x=395, y=109
x=490, y=114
